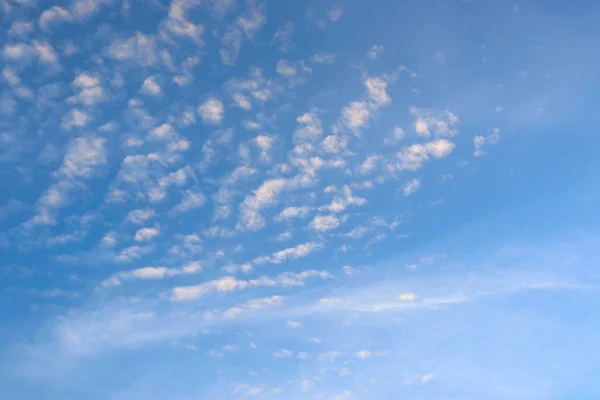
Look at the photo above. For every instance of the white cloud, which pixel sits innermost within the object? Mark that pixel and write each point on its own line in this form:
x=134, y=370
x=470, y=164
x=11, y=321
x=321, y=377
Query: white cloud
x=139, y=49
x=369, y=164
x=364, y=354
x=178, y=178
x=426, y=122
x=294, y=324
x=22, y=52
x=189, y=244
x=335, y=144
x=479, y=141
x=247, y=24
x=74, y=118
x=228, y=284
x=307, y=384
x=396, y=136
x=335, y=14
x=190, y=201
x=340, y=203
x=295, y=72
x=346, y=394
x=11, y=77
x=182, y=80
x=265, y=144
x=283, y=353
x=211, y=111
x=150, y=87
x=45, y=52
x=407, y=297
x=356, y=115
x=411, y=187
x=395, y=223
x=291, y=279
x=239, y=174
x=21, y=29
x=330, y=301
x=251, y=22
x=285, y=235
x=375, y=51
x=109, y=239
x=286, y=68
x=359, y=231
x=131, y=253
x=233, y=312
x=255, y=87
x=221, y=7
x=376, y=89
x=266, y=194
x=330, y=356
x=283, y=37
x=222, y=212
x=242, y=101
x=348, y=270
x=90, y=89
x=84, y=9
x=324, y=223
x=53, y=16
x=493, y=136
x=176, y=23
x=18, y=52
x=413, y=157
x=150, y=273
x=251, y=125
x=324, y=58
x=84, y=156
x=163, y=132
x=309, y=128
x=56, y=195
x=419, y=379
x=140, y=216
x=231, y=43
x=292, y=253
x=218, y=231
x=146, y=234
x=254, y=305
x=179, y=145
x=293, y=212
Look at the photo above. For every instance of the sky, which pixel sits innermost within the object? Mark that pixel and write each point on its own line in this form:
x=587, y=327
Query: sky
x=308, y=199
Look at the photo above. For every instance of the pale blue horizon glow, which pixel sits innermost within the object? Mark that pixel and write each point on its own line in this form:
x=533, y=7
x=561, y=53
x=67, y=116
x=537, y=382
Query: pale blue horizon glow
x=333, y=200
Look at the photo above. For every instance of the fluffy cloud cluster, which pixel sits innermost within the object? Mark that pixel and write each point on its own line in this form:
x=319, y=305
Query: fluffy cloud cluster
x=230, y=284
x=412, y=158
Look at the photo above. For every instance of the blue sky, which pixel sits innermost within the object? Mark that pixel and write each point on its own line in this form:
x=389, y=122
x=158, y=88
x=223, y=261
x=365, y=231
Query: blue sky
x=345, y=200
